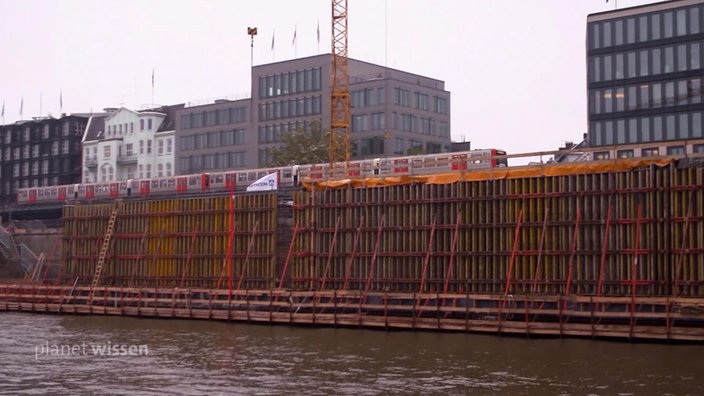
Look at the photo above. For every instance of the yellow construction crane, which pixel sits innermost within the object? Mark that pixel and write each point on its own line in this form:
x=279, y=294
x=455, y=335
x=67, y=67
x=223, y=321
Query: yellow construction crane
x=340, y=96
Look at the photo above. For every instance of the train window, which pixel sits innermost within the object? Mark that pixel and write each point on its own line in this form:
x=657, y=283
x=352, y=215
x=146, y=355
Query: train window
x=81, y=189
x=650, y=152
x=675, y=150
x=41, y=192
x=698, y=148
x=624, y=153
x=242, y=177
x=288, y=172
x=162, y=183
x=155, y=183
x=171, y=182
x=193, y=180
x=53, y=191
x=601, y=155
x=252, y=176
x=123, y=186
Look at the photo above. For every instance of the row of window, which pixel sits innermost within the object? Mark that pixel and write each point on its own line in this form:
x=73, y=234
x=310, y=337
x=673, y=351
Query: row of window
x=400, y=145
x=361, y=122
x=197, y=163
x=421, y=101
x=286, y=108
x=658, y=128
x=30, y=133
x=646, y=27
x=232, y=115
x=125, y=128
x=648, y=152
x=33, y=151
x=272, y=133
x=212, y=139
x=289, y=83
x=368, y=97
x=645, y=96
x=41, y=167
x=646, y=62
x=426, y=126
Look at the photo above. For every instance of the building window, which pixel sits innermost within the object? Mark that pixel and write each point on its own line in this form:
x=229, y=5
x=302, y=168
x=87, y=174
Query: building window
x=106, y=152
x=149, y=124
x=141, y=125
x=149, y=146
x=625, y=153
x=160, y=147
x=128, y=150
x=675, y=150
x=650, y=152
x=601, y=155
x=169, y=145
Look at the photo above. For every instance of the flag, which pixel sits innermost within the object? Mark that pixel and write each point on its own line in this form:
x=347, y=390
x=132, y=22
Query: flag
x=272, y=40
x=21, y=107
x=61, y=102
x=268, y=182
x=152, y=78
x=293, y=42
x=318, y=31
x=3, y=109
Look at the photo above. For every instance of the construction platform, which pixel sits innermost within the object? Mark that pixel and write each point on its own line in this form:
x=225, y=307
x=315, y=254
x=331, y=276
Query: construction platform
x=610, y=249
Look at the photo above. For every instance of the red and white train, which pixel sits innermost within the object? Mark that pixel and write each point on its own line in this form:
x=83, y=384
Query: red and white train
x=238, y=180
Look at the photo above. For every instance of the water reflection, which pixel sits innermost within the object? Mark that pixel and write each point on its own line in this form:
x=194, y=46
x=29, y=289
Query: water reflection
x=200, y=357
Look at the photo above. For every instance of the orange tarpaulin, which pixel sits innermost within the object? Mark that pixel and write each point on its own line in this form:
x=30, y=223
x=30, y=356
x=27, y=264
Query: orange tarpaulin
x=492, y=174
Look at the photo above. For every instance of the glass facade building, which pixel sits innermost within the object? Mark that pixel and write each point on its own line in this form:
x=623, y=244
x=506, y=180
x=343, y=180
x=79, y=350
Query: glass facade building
x=644, y=73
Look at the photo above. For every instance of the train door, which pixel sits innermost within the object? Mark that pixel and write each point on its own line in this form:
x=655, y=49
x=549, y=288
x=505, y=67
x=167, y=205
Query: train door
x=459, y=162
x=32, y=196
x=90, y=191
x=62, y=193
x=230, y=180
x=181, y=184
x=114, y=190
x=353, y=169
x=144, y=187
x=316, y=172
x=205, y=182
x=401, y=165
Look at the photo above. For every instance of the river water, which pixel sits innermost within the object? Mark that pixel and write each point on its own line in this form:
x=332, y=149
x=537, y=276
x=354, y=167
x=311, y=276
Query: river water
x=53, y=354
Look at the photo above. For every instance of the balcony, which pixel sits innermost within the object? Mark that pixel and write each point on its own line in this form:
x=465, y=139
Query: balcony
x=126, y=159
x=91, y=162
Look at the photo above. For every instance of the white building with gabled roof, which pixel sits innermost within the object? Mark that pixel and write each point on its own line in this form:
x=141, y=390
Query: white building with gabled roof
x=124, y=144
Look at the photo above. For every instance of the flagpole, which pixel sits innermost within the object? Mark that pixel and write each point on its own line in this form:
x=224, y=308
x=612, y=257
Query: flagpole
x=295, y=44
x=152, y=86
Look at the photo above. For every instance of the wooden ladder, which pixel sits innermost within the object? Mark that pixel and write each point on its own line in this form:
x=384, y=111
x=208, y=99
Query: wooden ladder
x=104, y=249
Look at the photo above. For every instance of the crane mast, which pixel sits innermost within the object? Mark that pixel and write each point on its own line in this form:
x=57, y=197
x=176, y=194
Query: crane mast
x=340, y=95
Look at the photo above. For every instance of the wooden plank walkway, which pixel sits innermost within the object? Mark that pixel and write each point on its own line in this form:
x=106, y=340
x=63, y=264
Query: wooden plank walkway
x=628, y=318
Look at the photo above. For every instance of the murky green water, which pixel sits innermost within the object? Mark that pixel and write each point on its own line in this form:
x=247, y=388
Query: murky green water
x=109, y=355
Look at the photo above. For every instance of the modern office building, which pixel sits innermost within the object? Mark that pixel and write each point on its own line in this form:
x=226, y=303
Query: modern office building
x=645, y=75
x=391, y=112
x=44, y=151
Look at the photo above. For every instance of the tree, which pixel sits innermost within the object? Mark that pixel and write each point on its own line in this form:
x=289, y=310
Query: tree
x=302, y=147
x=416, y=150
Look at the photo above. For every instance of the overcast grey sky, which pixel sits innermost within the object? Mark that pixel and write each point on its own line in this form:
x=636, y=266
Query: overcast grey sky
x=516, y=68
